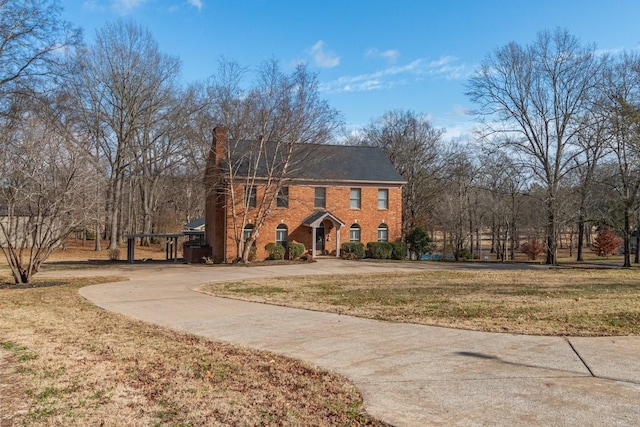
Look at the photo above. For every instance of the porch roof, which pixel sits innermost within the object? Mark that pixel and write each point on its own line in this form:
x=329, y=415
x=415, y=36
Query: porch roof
x=316, y=218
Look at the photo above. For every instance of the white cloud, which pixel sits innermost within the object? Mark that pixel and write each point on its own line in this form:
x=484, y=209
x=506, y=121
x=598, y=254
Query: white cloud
x=126, y=6
x=322, y=58
x=92, y=6
x=446, y=67
x=459, y=110
x=198, y=4
x=388, y=55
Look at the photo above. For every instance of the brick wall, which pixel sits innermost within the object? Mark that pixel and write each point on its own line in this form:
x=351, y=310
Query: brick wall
x=301, y=205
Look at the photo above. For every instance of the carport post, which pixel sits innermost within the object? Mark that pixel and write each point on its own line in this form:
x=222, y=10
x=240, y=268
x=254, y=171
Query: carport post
x=131, y=247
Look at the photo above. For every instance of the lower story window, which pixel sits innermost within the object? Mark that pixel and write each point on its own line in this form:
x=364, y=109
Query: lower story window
x=383, y=233
x=354, y=233
x=246, y=232
x=282, y=235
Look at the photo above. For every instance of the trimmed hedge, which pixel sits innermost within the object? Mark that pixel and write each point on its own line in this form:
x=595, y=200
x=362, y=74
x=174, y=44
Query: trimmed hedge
x=352, y=250
x=379, y=250
x=276, y=250
x=399, y=250
x=295, y=250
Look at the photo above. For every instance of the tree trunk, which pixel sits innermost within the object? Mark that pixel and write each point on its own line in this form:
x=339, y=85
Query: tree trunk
x=98, y=234
x=580, y=256
x=552, y=244
x=627, y=240
x=115, y=213
x=636, y=258
x=512, y=241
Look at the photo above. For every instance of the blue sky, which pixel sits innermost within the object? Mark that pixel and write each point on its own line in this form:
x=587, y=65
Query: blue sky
x=371, y=56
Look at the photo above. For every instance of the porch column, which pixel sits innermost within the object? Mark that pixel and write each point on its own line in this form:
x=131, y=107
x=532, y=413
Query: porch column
x=338, y=241
x=313, y=242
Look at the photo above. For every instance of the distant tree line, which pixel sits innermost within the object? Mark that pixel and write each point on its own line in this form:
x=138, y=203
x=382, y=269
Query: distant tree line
x=556, y=154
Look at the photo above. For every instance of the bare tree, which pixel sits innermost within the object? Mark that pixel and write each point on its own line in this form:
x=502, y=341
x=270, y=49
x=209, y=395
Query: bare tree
x=624, y=122
x=44, y=181
x=414, y=147
x=31, y=36
x=158, y=144
x=503, y=184
x=271, y=129
x=122, y=87
x=453, y=211
x=534, y=97
x=592, y=138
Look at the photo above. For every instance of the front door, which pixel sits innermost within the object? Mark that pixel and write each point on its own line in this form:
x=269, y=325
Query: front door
x=320, y=240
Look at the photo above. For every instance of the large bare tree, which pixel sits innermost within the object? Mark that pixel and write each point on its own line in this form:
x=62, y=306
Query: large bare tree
x=414, y=146
x=271, y=129
x=124, y=87
x=533, y=98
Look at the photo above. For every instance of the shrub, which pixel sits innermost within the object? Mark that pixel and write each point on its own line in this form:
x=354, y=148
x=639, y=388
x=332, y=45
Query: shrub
x=533, y=248
x=606, y=242
x=464, y=253
x=379, y=250
x=398, y=250
x=352, y=250
x=276, y=250
x=114, y=254
x=418, y=242
x=295, y=250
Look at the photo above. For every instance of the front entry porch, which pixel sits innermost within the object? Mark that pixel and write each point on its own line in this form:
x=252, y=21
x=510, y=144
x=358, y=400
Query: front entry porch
x=316, y=221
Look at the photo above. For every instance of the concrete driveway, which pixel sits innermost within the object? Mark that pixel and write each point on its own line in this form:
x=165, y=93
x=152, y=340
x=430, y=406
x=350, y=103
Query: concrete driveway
x=409, y=375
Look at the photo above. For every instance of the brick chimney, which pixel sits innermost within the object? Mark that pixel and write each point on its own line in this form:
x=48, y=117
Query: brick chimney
x=219, y=145
x=215, y=199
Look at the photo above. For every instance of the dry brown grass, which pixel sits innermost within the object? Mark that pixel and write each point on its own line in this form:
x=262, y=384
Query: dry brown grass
x=544, y=302
x=65, y=362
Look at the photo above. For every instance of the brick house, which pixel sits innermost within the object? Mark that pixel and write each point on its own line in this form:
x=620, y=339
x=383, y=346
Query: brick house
x=332, y=194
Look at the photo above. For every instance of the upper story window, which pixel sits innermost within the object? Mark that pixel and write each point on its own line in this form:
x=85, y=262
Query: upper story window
x=354, y=198
x=250, y=198
x=320, y=198
x=383, y=233
x=383, y=198
x=282, y=201
x=354, y=233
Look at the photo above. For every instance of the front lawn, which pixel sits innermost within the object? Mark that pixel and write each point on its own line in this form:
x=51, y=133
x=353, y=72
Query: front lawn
x=541, y=302
x=65, y=362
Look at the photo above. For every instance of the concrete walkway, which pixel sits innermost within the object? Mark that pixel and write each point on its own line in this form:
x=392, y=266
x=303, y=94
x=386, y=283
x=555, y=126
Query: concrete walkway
x=409, y=375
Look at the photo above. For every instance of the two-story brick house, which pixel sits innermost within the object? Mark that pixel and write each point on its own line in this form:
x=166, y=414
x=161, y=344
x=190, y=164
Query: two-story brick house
x=333, y=194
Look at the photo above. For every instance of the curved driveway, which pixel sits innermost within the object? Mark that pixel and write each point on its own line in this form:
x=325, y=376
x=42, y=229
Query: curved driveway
x=409, y=375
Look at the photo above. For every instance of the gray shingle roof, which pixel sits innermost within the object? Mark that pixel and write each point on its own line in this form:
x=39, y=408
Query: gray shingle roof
x=324, y=162
x=320, y=215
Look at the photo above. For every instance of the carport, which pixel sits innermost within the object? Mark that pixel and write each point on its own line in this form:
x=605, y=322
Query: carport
x=171, y=244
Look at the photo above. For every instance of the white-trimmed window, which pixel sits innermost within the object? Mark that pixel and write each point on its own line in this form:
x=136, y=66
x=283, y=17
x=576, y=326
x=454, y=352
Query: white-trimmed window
x=320, y=198
x=282, y=235
x=354, y=233
x=246, y=232
x=282, y=201
x=383, y=198
x=383, y=233
x=354, y=198
x=250, y=196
